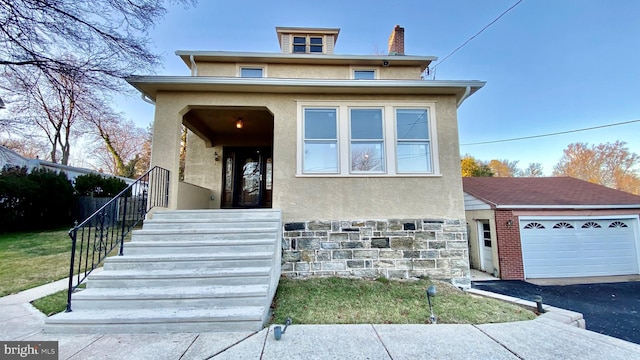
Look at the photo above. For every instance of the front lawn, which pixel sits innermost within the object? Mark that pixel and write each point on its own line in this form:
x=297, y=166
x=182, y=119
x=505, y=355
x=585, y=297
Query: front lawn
x=31, y=259
x=352, y=301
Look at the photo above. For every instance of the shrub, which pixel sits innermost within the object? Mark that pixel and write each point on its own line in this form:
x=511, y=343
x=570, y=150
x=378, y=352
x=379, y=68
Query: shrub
x=99, y=186
x=41, y=199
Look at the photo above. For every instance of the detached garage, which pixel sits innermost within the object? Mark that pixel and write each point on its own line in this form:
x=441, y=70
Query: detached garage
x=551, y=227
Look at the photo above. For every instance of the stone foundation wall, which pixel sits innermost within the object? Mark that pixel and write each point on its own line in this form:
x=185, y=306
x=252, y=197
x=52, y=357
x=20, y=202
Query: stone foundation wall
x=398, y=249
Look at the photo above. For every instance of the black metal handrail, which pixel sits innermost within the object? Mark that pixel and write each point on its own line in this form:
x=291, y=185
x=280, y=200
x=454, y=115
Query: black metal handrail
x=96, y=237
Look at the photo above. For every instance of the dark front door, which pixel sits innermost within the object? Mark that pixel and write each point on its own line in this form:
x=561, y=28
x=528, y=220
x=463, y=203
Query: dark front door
x=247, y=177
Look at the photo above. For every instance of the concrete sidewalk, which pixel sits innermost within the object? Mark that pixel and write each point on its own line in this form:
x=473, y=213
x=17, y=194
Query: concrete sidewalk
x=543, y=338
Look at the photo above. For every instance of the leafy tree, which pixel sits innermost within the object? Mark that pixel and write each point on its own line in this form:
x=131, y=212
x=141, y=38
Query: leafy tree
x=474, y=168
x=533, y=170
x=609, y=164
x=504, y=168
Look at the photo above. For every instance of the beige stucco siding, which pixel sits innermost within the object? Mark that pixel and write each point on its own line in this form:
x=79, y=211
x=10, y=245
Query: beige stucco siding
x=294, y=71
x=309, y=198
x=217, y=69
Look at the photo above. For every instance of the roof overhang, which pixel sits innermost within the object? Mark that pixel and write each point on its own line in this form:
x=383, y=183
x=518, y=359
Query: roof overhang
x=150, y=86
x=309, y=59
x=569, y=207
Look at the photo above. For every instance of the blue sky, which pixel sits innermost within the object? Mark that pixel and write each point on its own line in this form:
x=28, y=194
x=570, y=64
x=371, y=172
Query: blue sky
x=550, y=66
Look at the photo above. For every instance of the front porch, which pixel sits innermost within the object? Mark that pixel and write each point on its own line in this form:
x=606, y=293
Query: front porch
x=224, y=161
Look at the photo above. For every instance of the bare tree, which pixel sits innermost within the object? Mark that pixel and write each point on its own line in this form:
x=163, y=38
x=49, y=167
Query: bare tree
x=118, y=143
x=49, y=106
x=609, y=164
x=108, y=38
x=533, y=170
x=365, y=159
x=29, y=147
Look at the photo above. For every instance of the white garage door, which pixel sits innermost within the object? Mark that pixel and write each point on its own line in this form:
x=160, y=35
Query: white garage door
x=578, y=247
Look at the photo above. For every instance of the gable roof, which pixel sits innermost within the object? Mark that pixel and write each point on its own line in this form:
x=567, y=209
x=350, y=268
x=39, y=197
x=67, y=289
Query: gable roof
x=546, y=192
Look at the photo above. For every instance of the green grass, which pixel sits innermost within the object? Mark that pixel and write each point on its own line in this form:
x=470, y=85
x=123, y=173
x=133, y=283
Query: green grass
x=32, y=259
x=352, y=301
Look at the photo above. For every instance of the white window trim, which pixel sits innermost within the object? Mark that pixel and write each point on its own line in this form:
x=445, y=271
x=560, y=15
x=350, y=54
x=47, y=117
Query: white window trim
x=353, y=69
x=239, y=68
x=389, y=122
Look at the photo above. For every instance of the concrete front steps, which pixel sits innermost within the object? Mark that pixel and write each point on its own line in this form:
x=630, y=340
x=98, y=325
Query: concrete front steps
x=184, y=271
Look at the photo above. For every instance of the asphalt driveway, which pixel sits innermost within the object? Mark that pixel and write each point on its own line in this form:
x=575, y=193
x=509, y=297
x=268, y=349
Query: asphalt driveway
x=612, y=308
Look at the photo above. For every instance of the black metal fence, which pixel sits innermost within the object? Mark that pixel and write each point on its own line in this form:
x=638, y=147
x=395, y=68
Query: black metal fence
x=98, y=236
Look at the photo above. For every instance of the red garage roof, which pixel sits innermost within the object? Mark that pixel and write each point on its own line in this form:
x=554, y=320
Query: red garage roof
x=546, y=191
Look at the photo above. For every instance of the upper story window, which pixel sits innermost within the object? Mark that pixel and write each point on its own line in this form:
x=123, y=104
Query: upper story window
x=367, y=138
x=364, y=74
x=251, y=71
x=308, y=44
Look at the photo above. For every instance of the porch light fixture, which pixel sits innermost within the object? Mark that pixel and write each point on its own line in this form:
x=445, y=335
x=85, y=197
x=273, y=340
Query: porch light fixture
x=509, y=223
x=239, y=123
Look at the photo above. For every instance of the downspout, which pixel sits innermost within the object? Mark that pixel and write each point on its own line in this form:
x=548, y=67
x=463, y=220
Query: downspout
x=147, y=99
x=466, y=94
x=194, y=67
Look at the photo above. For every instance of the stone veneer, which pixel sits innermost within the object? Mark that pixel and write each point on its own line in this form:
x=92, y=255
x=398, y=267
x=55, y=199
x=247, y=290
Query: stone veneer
x=399, y=249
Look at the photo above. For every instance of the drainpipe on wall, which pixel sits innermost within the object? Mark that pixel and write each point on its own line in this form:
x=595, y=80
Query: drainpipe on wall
x=194, y=67
x=466, y=94
x=147, y=99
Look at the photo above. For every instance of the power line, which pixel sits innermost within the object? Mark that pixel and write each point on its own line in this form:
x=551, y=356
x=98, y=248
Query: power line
x=478, y=33
x=551, y=134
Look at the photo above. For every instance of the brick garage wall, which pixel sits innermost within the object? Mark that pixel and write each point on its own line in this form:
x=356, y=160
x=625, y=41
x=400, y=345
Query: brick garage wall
x=399, y=249
x=509, y=247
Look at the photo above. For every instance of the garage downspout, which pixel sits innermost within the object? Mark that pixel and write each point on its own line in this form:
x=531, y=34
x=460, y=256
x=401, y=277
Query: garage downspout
x=194, y=67
x=466, y=94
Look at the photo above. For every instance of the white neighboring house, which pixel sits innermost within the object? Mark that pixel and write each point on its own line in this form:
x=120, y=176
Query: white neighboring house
x=11, y=158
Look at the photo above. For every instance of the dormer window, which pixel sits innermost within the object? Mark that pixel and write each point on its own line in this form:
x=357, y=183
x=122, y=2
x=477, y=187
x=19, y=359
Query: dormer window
x=307, y=44
x=317, y=41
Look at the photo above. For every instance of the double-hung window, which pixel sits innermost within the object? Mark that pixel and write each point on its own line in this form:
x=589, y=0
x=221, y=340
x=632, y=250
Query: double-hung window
x=413, y=149
x=320, y=140
x=367, y=140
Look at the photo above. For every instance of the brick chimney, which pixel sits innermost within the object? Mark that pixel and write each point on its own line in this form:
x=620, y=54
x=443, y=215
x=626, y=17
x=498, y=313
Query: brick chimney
x=396, y=41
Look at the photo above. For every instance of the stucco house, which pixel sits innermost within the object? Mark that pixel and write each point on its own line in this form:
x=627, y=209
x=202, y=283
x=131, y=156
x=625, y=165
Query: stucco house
x=358, y=151
x=298, y=163
x=521, y=228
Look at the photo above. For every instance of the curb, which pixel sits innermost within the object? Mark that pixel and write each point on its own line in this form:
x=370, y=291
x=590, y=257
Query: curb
x=553, y=313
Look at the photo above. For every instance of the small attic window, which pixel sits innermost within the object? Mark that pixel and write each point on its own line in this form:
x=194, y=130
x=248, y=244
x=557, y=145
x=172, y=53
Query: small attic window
x=308, y=44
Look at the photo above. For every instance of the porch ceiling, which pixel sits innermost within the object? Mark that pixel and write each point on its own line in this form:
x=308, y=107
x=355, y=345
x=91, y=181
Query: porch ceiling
x=215, y=124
